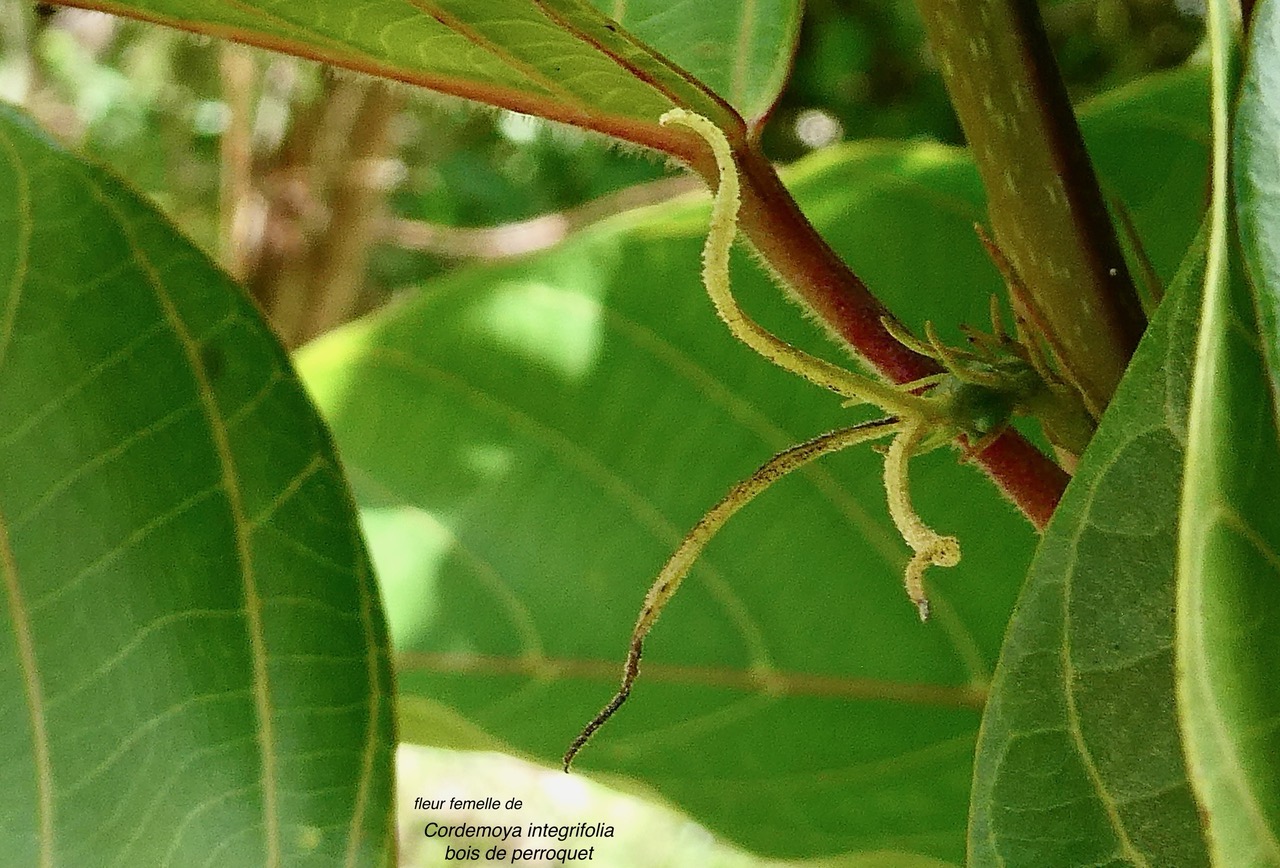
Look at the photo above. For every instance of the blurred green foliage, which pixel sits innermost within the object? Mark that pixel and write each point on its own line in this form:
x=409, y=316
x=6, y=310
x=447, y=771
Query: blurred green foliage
x=864, y=62
x=148, y=102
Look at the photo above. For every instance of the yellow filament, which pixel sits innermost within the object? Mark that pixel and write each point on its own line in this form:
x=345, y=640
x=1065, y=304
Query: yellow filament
x=916, y=416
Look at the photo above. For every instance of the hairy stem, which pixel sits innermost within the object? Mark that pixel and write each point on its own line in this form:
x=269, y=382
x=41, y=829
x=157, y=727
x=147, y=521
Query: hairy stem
x=772, y=221
x=715, y=276
x=1045, y=204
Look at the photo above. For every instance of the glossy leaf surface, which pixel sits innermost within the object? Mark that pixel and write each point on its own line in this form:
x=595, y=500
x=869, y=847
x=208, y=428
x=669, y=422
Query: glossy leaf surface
x=1080, y=760
x=1229, y=569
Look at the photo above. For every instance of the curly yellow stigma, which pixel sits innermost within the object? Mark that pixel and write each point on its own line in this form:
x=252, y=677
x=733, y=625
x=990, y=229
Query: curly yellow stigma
x=930, y=548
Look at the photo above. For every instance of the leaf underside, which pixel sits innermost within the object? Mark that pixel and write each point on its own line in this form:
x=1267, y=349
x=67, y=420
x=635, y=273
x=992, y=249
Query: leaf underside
x=1147, y=662
x=528, y=442
x=196, y=669
x=611, y=65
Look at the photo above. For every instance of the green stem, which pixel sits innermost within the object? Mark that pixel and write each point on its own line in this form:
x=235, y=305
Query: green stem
x=1046, y=208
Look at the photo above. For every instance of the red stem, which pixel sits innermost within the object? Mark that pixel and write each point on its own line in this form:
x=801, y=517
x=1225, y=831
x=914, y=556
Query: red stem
x=770, y=219
x=773, y=222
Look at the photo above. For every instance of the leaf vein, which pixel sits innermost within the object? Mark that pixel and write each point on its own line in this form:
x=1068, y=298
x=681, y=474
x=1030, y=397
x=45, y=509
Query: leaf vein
x=590, y=466
x=33, y=690
x=231, y=485
x=22, y=246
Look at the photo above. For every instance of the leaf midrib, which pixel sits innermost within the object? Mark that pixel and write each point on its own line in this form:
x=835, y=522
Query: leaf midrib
x=373, y=652
x=772, y=683
x=564, y=107
x=740, y=69
x=1220, y=513
x=33, y=688
x=34, y=695
x=231, y=487
x=471, y=35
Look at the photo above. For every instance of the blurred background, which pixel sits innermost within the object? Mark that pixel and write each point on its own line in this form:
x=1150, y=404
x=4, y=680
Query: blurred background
x=325, y=193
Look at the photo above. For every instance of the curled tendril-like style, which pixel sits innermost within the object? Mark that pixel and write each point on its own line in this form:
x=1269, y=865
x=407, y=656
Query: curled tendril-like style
x=715, y=276
x=970, y=398
x=678, y=566
x=928, y=547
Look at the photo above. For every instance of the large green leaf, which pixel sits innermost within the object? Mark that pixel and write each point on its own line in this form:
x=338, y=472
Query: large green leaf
x=564, y=59
x=195, y=658
x=1229, y=556
x=1256, y=158
x=1080, y=760
x=1082, y=755
x=528, y=441
x=741, y=51
x=1229, y=592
